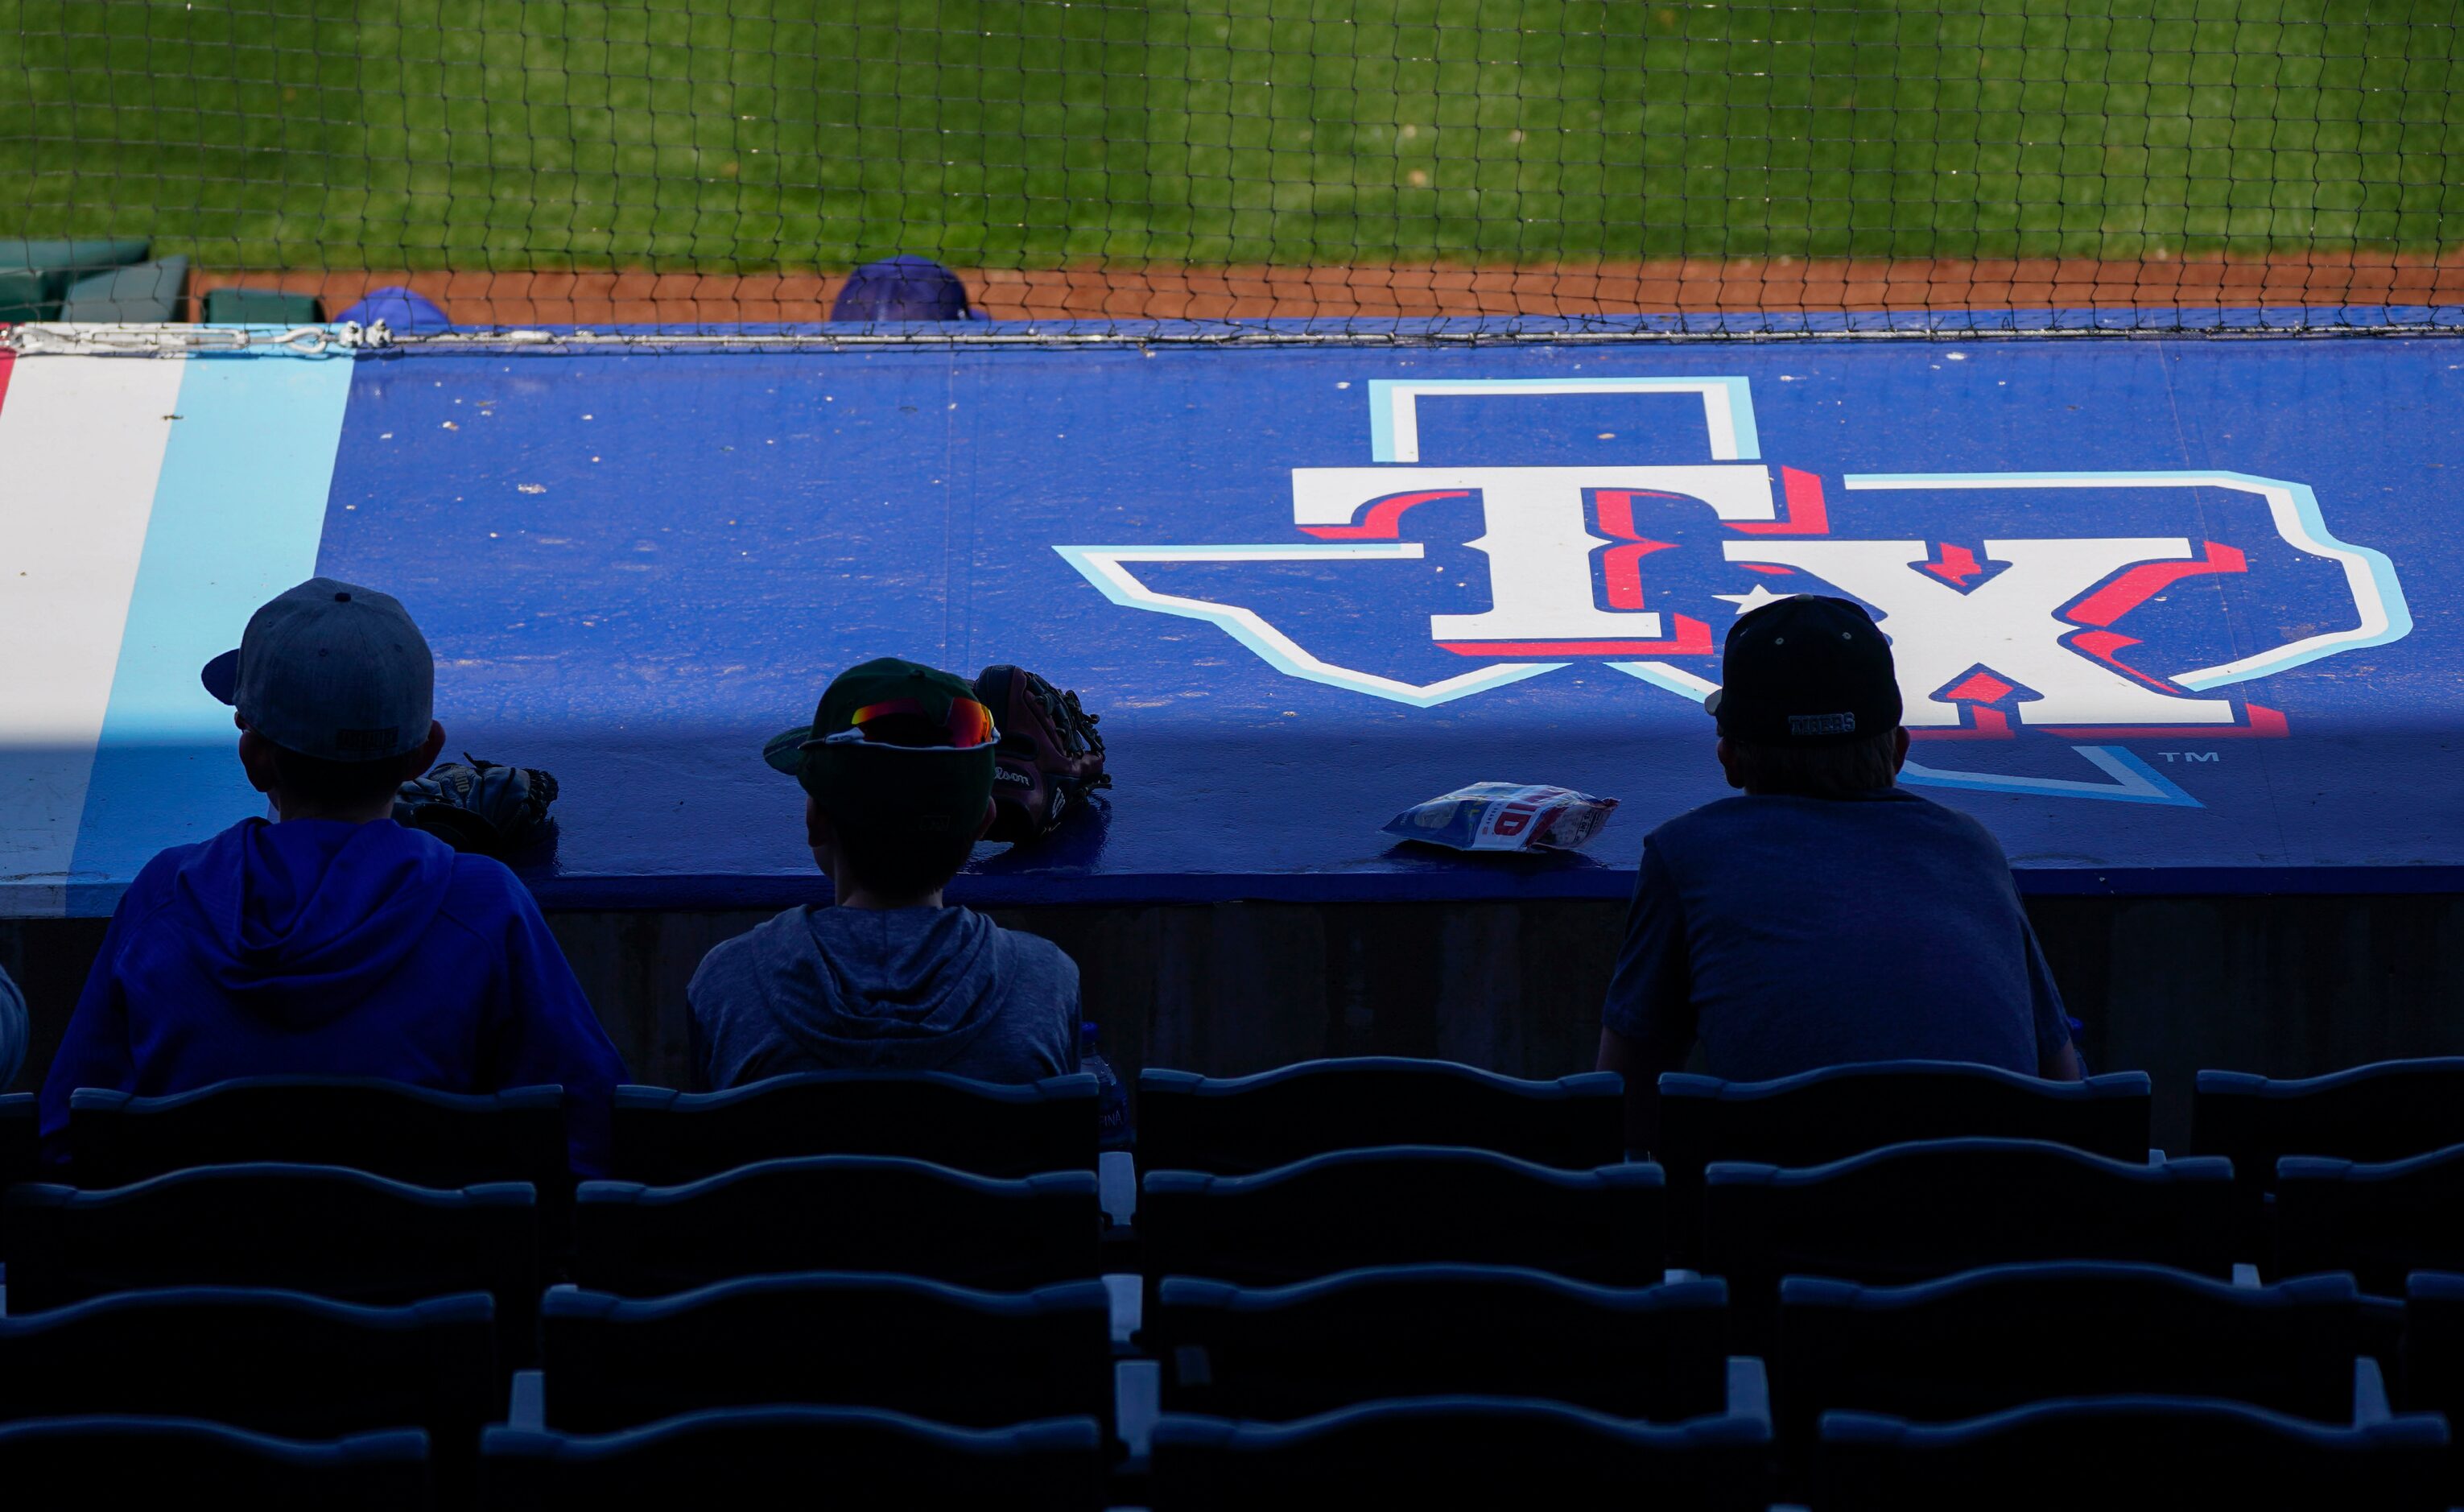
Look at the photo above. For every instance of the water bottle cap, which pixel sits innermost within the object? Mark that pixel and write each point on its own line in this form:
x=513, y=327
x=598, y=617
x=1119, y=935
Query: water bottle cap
x=1087, y=1031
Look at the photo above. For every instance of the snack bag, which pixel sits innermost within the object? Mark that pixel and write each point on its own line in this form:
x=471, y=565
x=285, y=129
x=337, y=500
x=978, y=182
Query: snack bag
x=1504, y=816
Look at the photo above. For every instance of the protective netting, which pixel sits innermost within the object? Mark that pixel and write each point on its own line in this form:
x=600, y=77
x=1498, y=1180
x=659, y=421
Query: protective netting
x=1506, y=164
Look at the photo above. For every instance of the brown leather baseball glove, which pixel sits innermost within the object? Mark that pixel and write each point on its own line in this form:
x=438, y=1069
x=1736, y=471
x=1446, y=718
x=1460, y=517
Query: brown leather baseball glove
x=1049, y=757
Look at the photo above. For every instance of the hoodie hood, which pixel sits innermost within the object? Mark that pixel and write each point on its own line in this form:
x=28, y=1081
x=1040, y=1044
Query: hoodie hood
x=888, y=988
x=300, y=921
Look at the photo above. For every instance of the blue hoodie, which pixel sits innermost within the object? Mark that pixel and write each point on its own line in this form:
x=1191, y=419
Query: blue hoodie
x=320, y=948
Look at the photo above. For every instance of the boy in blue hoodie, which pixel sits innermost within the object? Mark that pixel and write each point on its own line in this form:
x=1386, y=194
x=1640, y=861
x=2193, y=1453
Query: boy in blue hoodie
x=897, y=771
x=329, y=940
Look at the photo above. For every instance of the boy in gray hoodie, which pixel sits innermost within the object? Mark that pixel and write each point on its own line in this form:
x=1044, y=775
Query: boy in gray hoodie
x=897, y=771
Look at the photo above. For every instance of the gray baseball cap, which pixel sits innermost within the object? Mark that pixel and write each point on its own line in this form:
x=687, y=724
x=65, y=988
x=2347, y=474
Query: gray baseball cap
x=331, y=670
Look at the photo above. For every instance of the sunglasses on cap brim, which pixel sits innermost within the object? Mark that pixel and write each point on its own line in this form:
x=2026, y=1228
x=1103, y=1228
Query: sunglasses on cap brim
x=967, y=725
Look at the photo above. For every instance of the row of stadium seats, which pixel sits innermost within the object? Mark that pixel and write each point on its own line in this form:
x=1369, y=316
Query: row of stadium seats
x=1433, y=1453
x=290, y=1362
x=110, y=280
x=1250, y=1126
x=1905, y=1213
x=1245, y=1124
x=1286, y=1272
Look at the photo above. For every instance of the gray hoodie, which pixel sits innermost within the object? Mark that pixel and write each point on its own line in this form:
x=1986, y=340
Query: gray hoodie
x=883, y=989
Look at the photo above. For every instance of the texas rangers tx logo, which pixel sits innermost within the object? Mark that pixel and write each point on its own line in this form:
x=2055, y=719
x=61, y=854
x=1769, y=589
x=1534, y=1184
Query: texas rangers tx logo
x=2076, y=607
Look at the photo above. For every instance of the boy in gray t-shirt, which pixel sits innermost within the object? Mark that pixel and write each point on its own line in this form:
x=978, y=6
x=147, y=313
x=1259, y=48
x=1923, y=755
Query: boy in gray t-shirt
x=897, y=771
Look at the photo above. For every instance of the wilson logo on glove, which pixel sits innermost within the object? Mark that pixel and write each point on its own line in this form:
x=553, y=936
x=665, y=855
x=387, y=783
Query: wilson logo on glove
x=1049, y=757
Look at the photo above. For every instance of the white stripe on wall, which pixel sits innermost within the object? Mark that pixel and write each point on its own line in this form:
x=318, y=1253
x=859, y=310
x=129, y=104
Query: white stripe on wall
x=240, y=511
x=81, y=441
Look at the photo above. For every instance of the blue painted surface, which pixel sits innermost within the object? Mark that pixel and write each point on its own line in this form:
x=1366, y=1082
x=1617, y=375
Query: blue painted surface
x=635, y=568
x=238, y=513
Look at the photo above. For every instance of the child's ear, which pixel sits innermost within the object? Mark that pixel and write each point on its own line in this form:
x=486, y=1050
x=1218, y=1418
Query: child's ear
x=256, y=758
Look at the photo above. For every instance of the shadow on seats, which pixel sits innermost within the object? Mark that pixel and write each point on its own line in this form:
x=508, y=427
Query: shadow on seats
x=2128, y=1454
x=386, y=1128
x=2380, y=1222
x=838, y=1213
x=2003, y=1337
x=1278, y=1353
x=20, y=1143
x=797, y=1456
x=1405, y=1206
x=976, y=1359
x=1240, y=1125
x=404, y=1133
x=1459, y=1452
x=1911, y=1212
x=664, y=1137
x=319, y=1229
x=1831, y=1114
x=2431, y=1378
x=160, y=1462
x=272, y=1362
x=2383, y=1112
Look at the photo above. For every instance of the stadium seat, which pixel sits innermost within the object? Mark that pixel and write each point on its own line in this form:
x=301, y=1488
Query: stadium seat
x=237, y=307
x=1839, y=1111
x=2005, y=1336
x=20, y=1142
x=2127, y=1453
x=271, y=1362
x=1240, y=1125
x=21, y=297
x=1657, y=1352
x=2380, y=1222
x=110, y=1462
x=838, y=1213
x=2380, y=1112
x=410, y=1134
x=320, y=1229
x=147, y=293
x=386, y=1128
x=1459, y=1452
x=1910, y=1212
x=1402, y=1205
x=2430, y=1376
x=982, y=1359
x=663, y=1137
x=761, y=1457
x=36, y=276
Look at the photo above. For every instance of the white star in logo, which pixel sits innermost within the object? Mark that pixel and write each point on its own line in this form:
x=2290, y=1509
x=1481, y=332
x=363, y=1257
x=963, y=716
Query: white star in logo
x=1753, y=598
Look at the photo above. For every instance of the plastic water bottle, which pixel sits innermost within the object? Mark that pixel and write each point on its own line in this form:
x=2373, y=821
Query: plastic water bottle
x=1112, y=1099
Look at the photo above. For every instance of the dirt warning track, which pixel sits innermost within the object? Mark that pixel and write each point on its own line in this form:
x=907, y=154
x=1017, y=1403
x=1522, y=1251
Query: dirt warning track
x=1779, y=286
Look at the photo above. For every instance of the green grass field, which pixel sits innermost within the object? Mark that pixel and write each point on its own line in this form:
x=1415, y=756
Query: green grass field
x=758, y=134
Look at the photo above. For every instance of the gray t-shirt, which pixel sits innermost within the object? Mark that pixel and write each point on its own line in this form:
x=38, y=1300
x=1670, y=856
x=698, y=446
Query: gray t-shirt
x=883, y=989
x=1795, y=933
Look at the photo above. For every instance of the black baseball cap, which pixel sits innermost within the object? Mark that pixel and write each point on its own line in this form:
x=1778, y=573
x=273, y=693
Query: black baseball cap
x=1807, y=671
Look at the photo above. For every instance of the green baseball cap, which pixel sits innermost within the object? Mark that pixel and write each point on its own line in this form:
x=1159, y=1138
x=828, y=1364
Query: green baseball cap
x=896, y=742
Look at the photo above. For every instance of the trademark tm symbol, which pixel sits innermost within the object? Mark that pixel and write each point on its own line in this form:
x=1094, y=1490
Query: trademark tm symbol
x=2189, y=756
